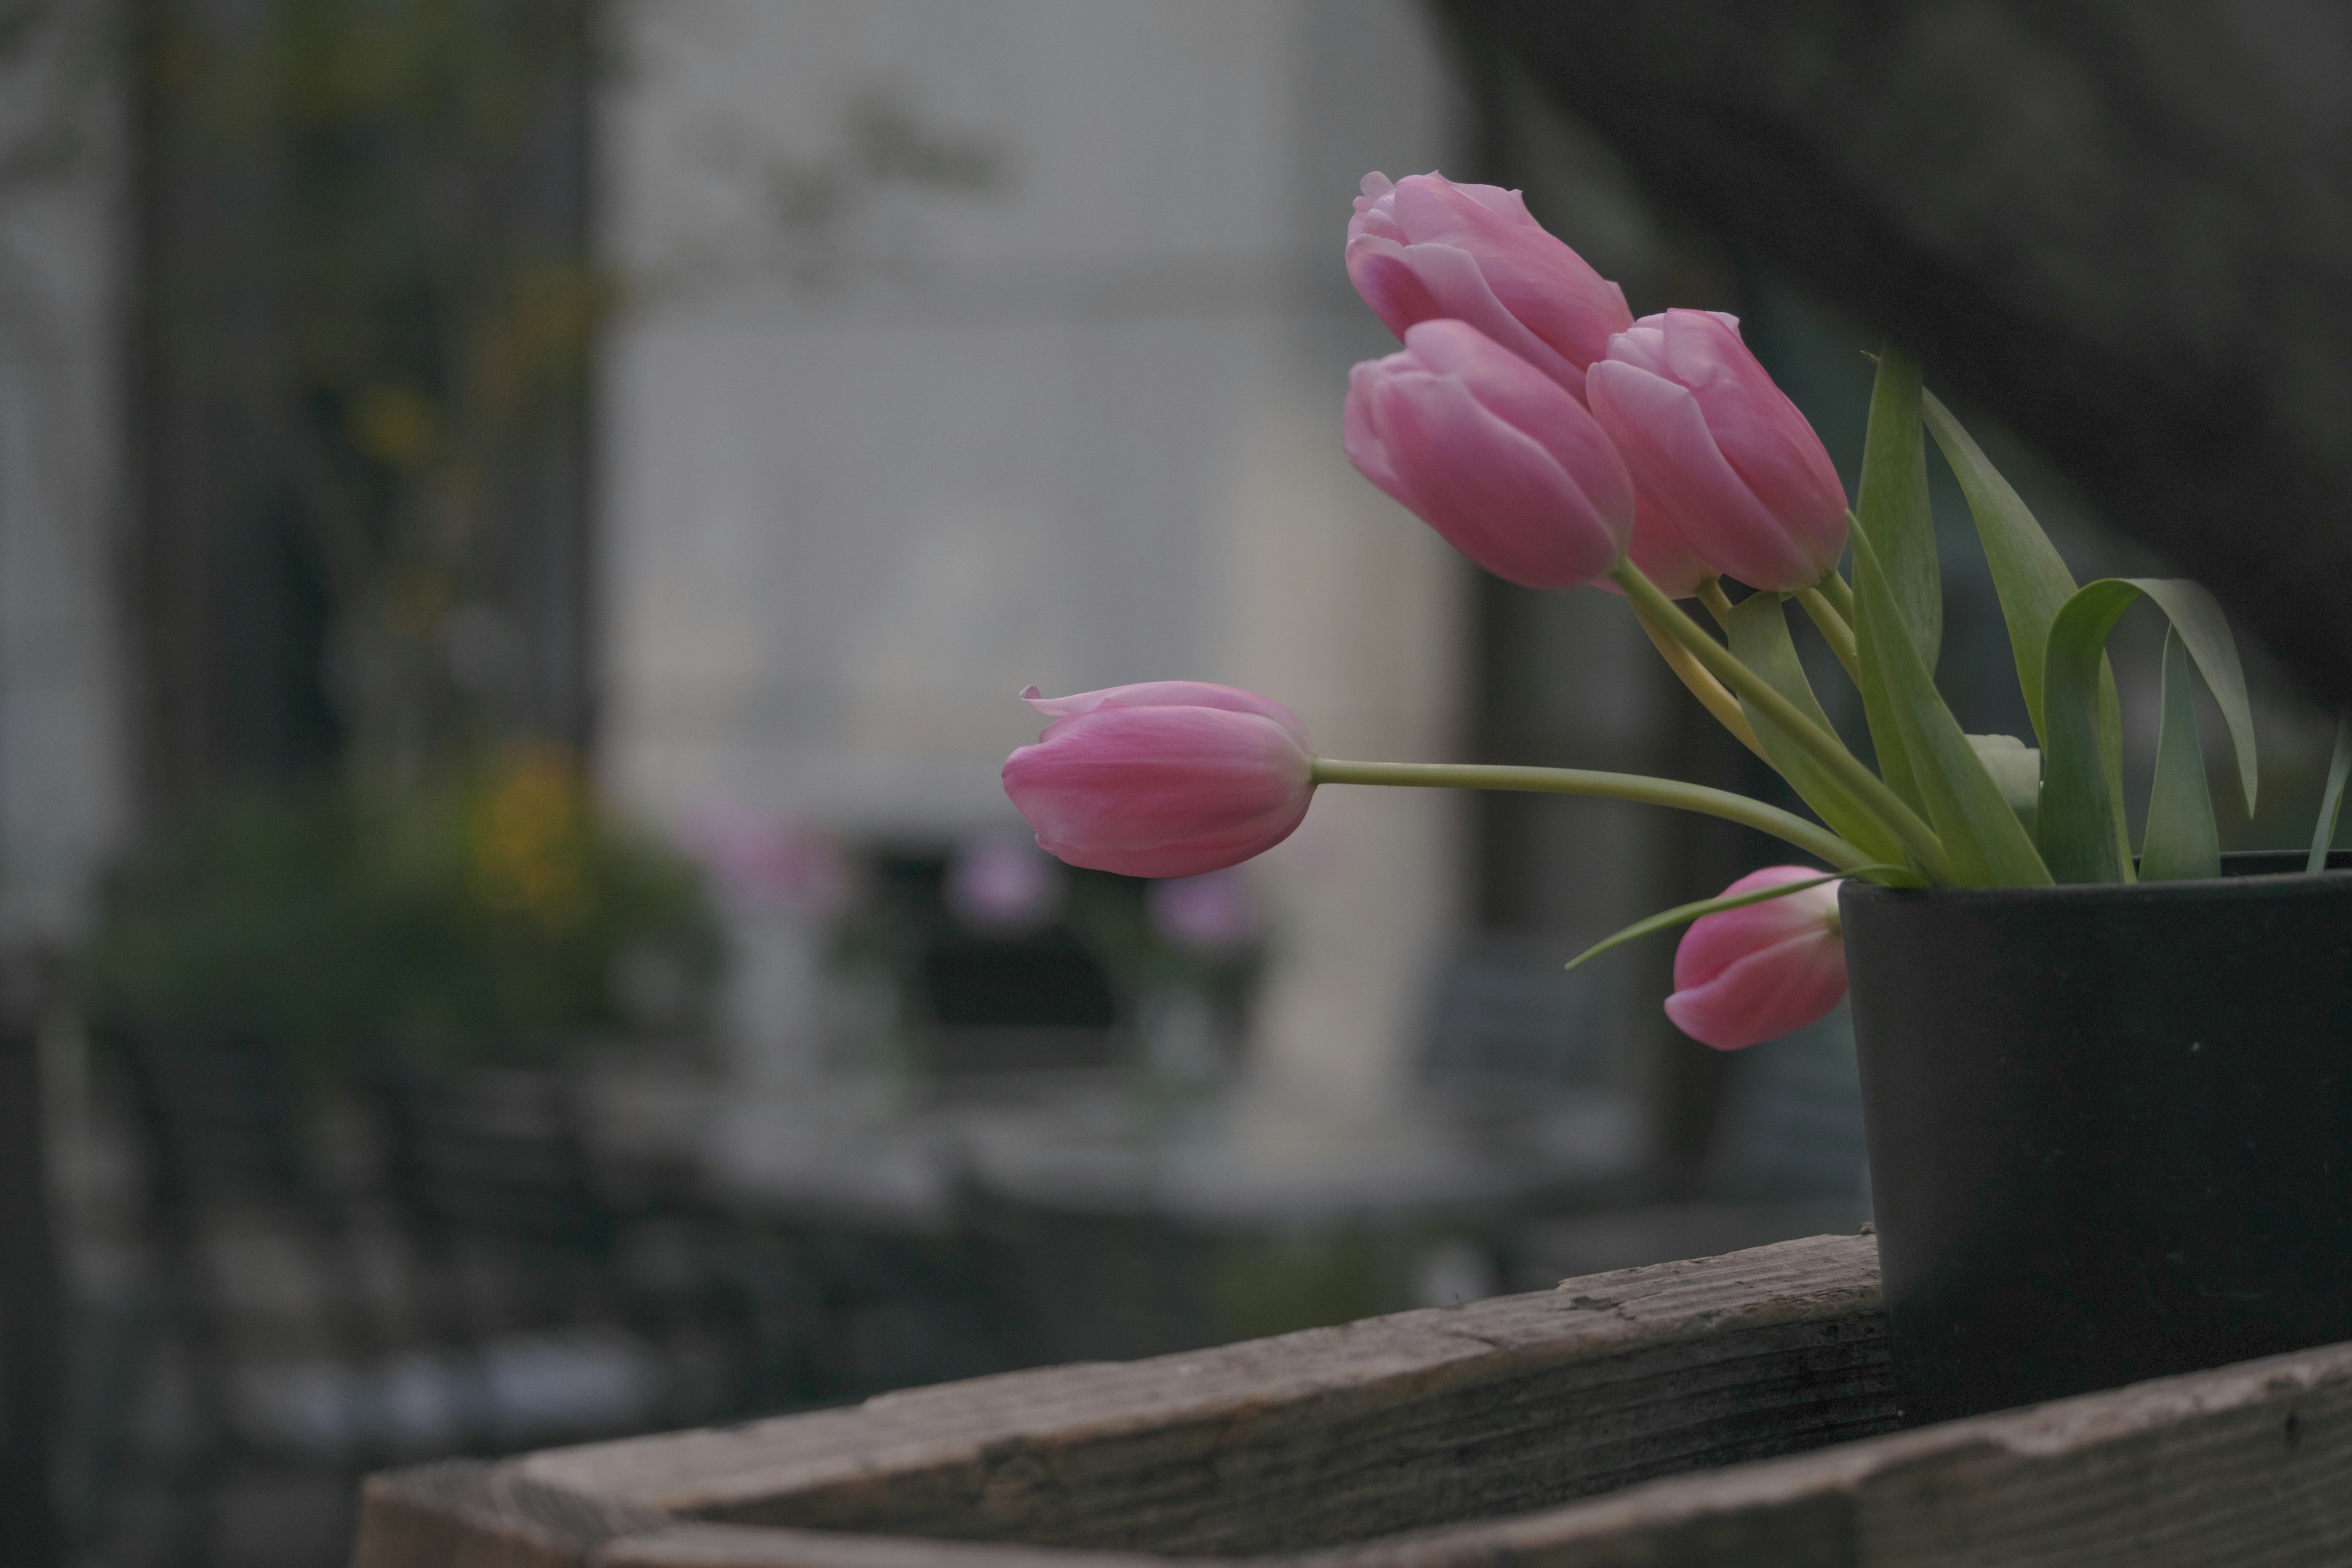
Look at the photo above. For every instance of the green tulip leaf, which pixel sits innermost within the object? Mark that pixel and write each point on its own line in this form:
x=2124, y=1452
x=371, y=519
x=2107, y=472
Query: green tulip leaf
x=1760, y=640
x=2028, y=574
x=2082, y=827
x=1892, y=505
x=2016, y=770
x=2030, y=580
x=2181, y=842
x=2204, y=630
x=2322, y=832
x=1890, y=508
x=1683, y=914
x=1983, y=840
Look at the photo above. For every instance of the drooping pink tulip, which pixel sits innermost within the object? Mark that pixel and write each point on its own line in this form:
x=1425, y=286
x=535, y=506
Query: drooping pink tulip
x=1720, y=450
x=1426, y=249
x=1493, y=455
x=1758, y=972
x=1171, y=778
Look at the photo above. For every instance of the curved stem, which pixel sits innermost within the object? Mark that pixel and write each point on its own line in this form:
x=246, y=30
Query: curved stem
x=1711, y=595
x=1702, y=685
x=1868, y=789
x=1833, y=588
x=1812, y=837
x=1834, y=630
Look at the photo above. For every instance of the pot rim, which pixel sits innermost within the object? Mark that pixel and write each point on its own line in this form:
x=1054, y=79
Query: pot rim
x=2233, y=887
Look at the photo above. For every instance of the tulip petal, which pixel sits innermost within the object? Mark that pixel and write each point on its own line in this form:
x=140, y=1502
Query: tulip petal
x=1451, y=279
x=1361, y=439
x=1493, y=491
x=1539, y=280
x=1388, y=283
x=1531, y=403
x=1659, y=428
x=1170, y=694
x=1376, y=209
x=1763, y=436
x=1163, y=790
x=1714, y=943
x=1766, y=994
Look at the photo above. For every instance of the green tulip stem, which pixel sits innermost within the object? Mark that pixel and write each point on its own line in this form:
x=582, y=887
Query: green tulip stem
x=1711, y=595
x=1834, y=630
x=1810, y=837
x=1867, y=789
x=1833, y=588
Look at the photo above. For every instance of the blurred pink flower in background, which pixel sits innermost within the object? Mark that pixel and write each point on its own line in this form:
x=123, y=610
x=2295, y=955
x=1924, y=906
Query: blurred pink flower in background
x=1720, y=450
x=1758, y=972
x=1215, y=915
x=1509, y=469
x=1425, y=248
x=1004, y=886
x=1170, y=778
x=763, y=860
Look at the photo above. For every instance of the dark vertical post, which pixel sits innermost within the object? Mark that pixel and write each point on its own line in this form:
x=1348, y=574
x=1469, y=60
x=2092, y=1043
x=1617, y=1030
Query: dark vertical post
x=32, y=1306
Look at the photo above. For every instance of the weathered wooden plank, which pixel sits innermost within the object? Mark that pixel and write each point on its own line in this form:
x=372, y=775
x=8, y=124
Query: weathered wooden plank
x=2249, y=1466
x=469, y=1513
x=1317, y=1438
x=759, y=1546
x=1306, y=1440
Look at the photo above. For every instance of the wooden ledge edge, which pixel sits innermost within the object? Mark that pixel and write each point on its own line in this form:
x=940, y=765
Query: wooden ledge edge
x=950, y=1427
x=698, y=1545
x=484, y=1514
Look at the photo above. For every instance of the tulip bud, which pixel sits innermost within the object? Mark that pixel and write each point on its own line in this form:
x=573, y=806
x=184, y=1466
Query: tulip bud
x=1493, y=455
x=1720, y=450
x=1426, y=249
x=1760, y=971
x=1171, y=778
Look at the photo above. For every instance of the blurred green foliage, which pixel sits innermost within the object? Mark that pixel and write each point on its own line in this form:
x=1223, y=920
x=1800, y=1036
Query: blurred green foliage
x=374, y=263
x=502, y=912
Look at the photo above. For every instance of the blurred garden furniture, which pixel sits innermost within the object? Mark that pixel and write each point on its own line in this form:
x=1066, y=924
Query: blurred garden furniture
x=33, y=1350
x=1724, y=1411
x=340, y=1272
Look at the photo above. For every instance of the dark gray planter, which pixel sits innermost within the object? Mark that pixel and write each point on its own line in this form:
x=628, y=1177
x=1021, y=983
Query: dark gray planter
x=2110, y=1127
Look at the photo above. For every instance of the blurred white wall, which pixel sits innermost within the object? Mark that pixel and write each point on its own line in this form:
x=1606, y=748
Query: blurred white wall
x=63, y=778
x=874, y=465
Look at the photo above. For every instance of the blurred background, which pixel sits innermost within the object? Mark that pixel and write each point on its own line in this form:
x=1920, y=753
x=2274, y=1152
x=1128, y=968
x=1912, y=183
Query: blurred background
x=522, y=523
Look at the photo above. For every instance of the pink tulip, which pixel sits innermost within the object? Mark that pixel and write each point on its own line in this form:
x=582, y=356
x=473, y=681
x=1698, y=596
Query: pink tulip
x=1493, y=455
x=1426, y=249
x=1760, y=971
x=1721, y=451
x=1171, y=778
x=1665, y=556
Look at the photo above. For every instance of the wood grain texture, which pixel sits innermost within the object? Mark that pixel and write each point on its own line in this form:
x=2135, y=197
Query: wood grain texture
x=1306, y=1440
x=1446, y=1440
x=2249, y=1466
x=1317, y=1439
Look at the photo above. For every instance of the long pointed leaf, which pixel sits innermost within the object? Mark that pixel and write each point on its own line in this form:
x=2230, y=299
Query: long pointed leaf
x=2032, y=581
x=1683, y=914
x=2081, y=837
x=2322, y=832
x=2182, y=841
x=1892, y=505
x=1982, y=837
x=2028, y=574
x=2205, y=631
x=1759, y=639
